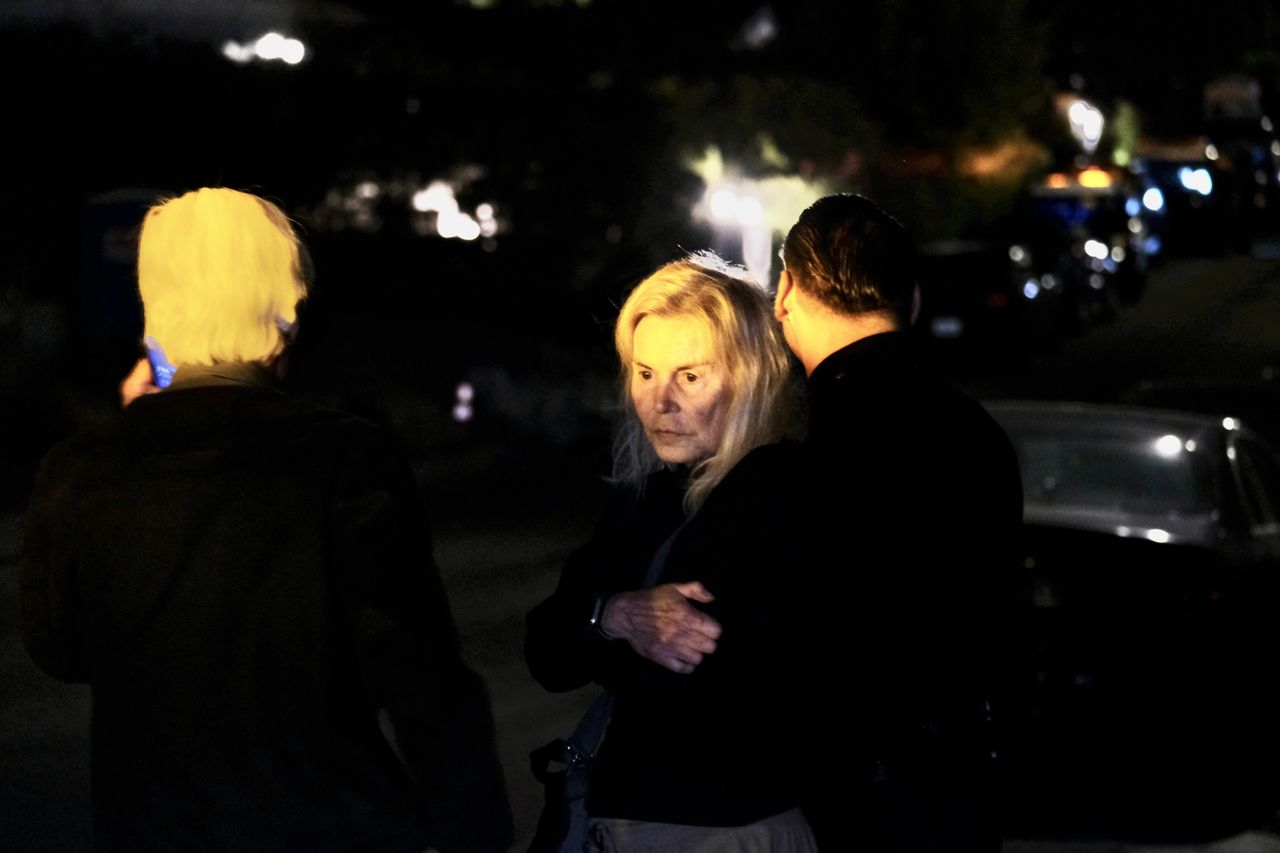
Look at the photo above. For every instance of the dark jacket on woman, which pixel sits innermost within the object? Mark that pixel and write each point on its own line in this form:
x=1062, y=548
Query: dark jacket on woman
x=716, y=747
x=246, y=582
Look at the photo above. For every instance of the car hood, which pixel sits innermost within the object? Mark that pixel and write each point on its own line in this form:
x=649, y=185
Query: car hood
x=1199, y=529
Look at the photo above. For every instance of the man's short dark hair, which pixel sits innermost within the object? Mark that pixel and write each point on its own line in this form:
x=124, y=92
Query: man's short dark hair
x=852, y=256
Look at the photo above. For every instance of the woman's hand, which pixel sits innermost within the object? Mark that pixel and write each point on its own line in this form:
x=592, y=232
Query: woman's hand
x=661, y=624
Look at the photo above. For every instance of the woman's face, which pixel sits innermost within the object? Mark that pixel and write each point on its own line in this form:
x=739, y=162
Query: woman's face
x=679, y=388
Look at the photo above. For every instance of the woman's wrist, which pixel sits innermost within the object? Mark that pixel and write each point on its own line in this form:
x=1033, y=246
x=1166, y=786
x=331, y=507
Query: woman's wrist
x=597, y=618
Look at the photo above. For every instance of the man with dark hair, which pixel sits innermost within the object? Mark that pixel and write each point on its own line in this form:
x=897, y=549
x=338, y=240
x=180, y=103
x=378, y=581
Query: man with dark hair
x=908, y=526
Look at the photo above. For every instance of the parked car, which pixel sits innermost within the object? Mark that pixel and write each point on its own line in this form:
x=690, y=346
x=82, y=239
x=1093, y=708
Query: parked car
x=1185, y=187
x=1249, y=149
x=977, y=305
x=1083, y=235
x=1149, y=681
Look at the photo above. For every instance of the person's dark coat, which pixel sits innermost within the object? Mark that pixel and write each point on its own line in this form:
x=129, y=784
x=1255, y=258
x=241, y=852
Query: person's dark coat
x=247, y=584
x=711, y=748
x=908, y=537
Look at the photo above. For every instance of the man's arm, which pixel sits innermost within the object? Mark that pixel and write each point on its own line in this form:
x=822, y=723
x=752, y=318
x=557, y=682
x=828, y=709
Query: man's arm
x=48, y=620
x=409, y=659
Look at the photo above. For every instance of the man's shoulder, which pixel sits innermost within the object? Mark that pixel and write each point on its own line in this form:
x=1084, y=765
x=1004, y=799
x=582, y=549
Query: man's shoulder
x=304, y=417
x=936, y=397
x=775, y=457
x=763, y=471
x=337, y=420
x=336, y=434
x=920, y=416
x=93, y=438
x=160, y=424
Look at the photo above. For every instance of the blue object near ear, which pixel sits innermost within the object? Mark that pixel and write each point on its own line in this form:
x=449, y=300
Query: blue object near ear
x=161, y=370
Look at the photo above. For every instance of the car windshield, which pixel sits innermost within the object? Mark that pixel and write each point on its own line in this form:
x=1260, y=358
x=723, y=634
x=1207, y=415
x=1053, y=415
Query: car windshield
x=1160, y=475
x=1094, y=211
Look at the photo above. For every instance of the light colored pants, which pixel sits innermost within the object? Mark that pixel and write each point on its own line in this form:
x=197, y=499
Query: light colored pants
x=783, y=833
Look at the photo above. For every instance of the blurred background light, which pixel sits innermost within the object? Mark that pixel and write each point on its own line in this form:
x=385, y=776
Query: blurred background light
x=1094, y=178
x=275, y=46
x=723, y=204
x=1197, y=179
x=1087, y=123
x=750, y=210
x=238, y=53
x=268, y=47
x=436, y=196
x=464, y=395
x=758, y=30
x=758, y=207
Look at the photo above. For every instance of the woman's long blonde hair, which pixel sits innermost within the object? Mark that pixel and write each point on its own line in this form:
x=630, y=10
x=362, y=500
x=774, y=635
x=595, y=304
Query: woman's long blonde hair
x=746, y=340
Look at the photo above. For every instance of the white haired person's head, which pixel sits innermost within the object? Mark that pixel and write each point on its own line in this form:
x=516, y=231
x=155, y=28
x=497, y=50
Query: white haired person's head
x=220, y=273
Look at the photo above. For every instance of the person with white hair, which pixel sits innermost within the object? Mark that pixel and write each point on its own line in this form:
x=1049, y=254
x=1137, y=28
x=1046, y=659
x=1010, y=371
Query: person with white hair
x=246, y=582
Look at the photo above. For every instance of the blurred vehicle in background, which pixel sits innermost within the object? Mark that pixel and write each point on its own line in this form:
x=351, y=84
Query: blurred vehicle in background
x=1244, y=138
x=1083, y=235
x=1250, y=150
x=1146, y=691
x=1185, y=185
x=977, y=305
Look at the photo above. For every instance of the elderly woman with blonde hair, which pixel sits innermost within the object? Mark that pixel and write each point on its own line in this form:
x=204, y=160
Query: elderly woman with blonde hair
x=679, y=605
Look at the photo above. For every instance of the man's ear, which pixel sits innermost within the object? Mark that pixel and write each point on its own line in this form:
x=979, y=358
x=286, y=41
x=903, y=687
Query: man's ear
x=782, y=299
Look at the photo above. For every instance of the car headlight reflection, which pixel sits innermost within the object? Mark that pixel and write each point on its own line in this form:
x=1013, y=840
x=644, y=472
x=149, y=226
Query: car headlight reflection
x=1196, y=180
x=1096, y=249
